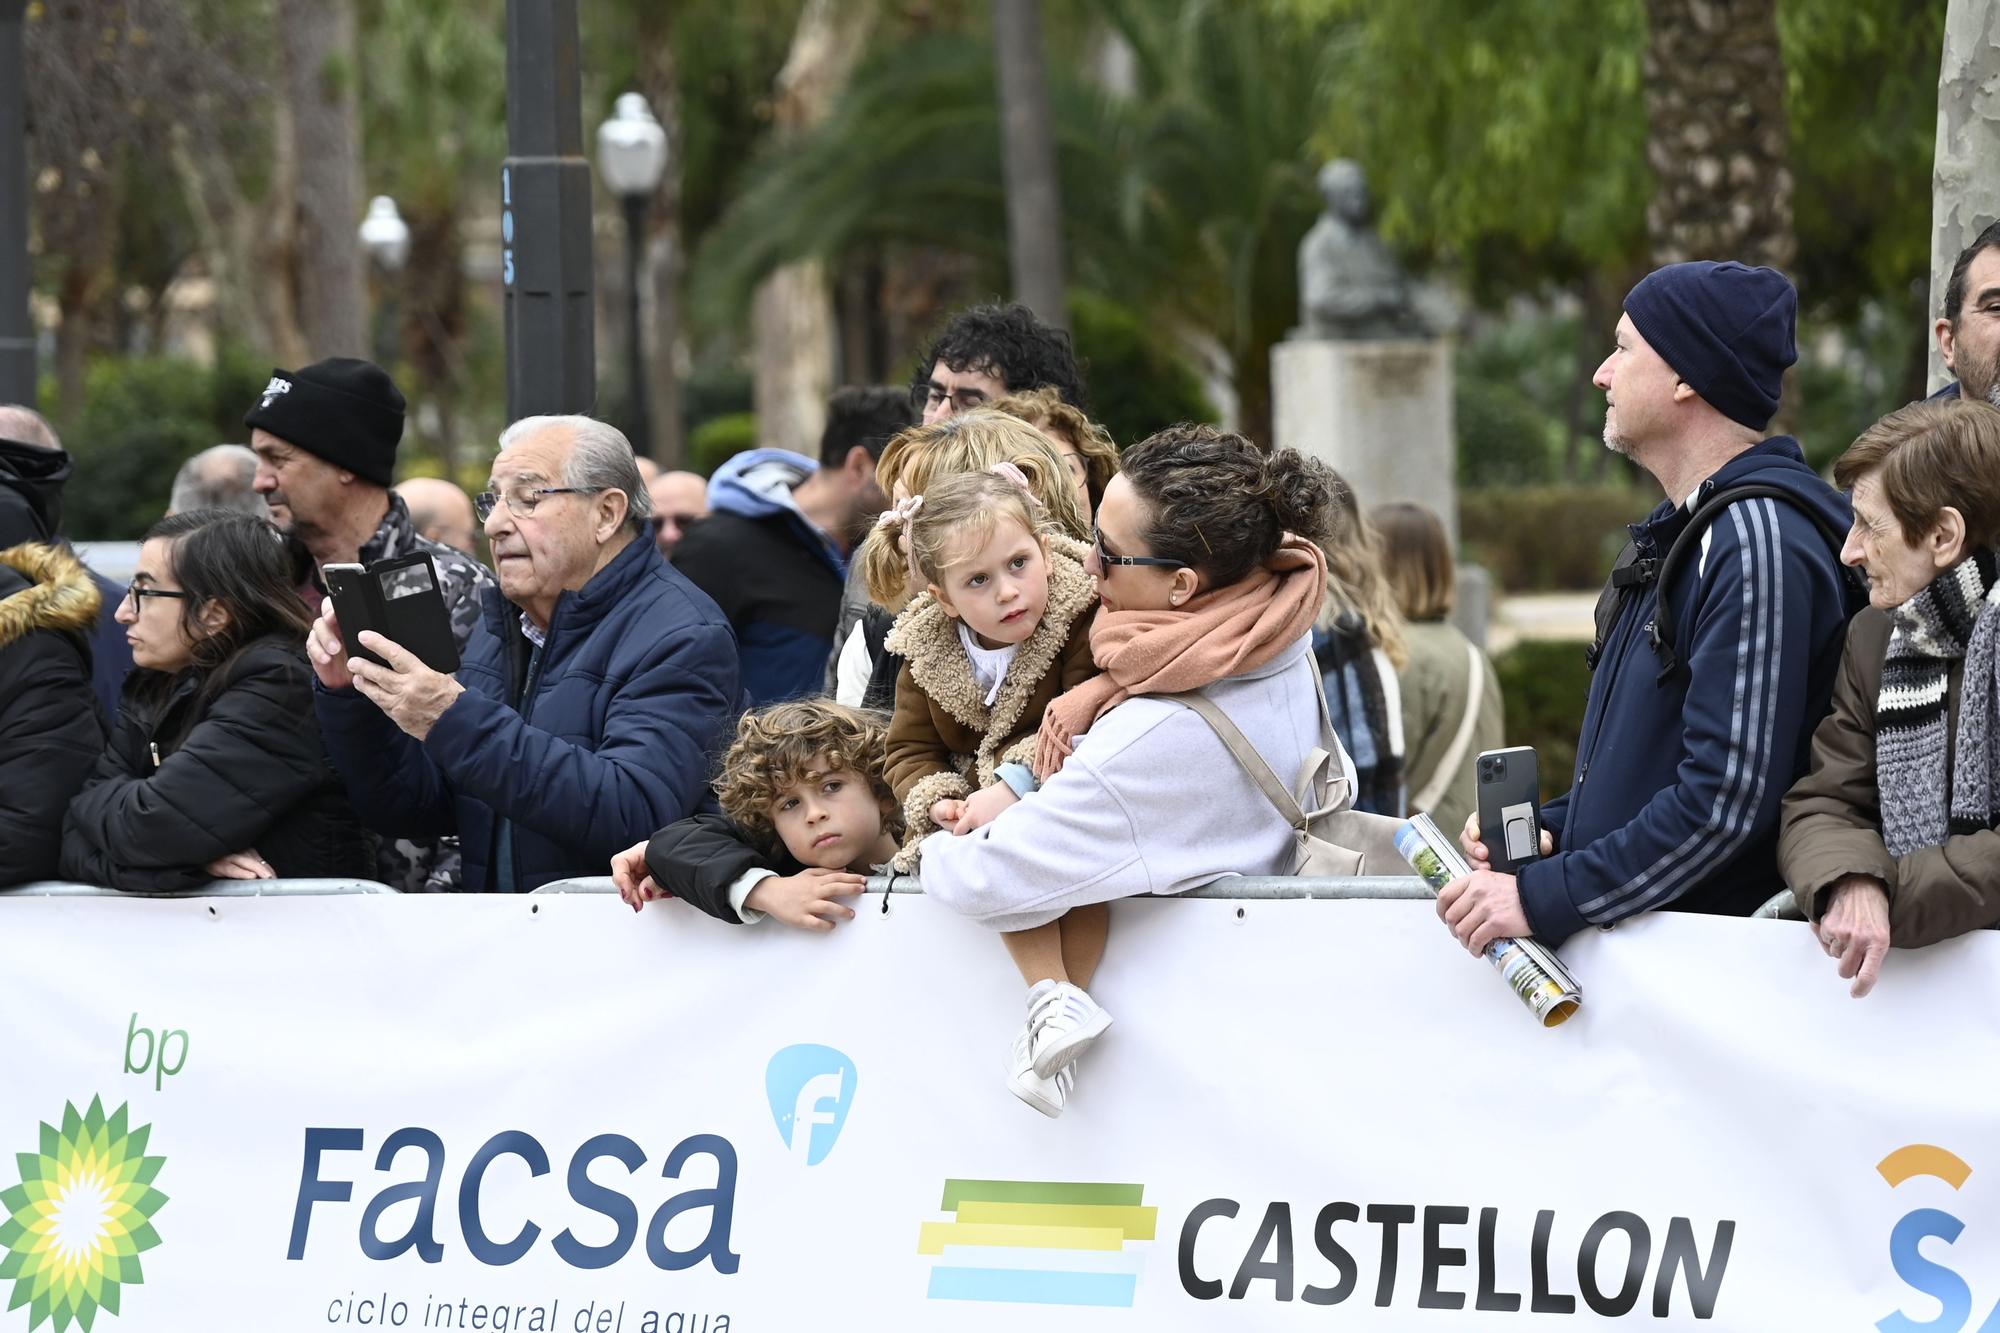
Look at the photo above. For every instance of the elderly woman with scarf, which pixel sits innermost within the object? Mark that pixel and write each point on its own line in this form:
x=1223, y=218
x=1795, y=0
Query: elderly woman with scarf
x=1205, y=560
x=1890, y=837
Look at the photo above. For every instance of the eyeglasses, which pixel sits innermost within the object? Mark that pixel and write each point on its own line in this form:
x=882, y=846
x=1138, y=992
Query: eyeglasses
x=135, y=594
x=1105, y=557
x=522, y=501
x=926, y=396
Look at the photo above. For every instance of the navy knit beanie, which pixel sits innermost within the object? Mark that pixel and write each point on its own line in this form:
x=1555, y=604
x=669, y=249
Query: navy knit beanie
x=346, y=411
x=1727, y=329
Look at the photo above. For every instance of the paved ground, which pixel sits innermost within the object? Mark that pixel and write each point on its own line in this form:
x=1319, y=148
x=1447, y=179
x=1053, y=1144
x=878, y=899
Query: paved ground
x=1553, y=615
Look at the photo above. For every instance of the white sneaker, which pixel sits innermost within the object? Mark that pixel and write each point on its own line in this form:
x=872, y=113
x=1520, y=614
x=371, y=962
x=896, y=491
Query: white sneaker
x=1047, y=1095
x=1064, y=1021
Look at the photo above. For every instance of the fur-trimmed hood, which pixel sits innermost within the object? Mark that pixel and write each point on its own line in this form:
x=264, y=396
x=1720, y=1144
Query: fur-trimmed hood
x=60, y=595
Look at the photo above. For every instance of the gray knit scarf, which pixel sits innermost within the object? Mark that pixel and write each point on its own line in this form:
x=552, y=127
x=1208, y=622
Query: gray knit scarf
x=1958, y=615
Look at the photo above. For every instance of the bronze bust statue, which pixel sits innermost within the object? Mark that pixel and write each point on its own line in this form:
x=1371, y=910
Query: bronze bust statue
x=1350, y=286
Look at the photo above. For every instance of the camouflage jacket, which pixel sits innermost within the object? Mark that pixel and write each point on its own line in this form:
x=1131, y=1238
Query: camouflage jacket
x=430, y=866
x=460, y=577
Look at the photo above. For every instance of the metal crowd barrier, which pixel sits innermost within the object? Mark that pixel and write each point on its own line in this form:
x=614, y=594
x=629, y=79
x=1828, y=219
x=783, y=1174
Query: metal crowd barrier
x=1246, y=888
x=221, y=888
x=1240, y=886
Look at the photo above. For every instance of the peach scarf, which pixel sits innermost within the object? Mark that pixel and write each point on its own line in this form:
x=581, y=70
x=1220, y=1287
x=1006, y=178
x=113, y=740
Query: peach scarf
x=1222, y=632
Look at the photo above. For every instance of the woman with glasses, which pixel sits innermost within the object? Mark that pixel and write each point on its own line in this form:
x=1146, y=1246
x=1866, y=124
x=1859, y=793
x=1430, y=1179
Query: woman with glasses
x=1205, y=560
x=214, y=769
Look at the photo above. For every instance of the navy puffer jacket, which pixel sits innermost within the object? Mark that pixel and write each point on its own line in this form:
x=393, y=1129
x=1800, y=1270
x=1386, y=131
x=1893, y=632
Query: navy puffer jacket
x=638, y=685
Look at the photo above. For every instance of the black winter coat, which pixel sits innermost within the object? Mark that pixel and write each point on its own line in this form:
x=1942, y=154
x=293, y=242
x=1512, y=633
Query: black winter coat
x=185, y=780
x=49, y=732
x=697, y=859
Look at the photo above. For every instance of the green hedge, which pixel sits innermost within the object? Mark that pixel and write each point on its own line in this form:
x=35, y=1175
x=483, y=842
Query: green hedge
x=1545, y=684
x=719, y=439
x=1543, y=538
x=142, y=417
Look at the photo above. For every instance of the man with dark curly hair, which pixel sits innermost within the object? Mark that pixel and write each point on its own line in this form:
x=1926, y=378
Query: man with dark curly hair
x=989, y=351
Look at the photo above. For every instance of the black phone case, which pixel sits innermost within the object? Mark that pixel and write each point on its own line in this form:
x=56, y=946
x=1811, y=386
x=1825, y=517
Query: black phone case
x=1510, y=807
x=399, y=599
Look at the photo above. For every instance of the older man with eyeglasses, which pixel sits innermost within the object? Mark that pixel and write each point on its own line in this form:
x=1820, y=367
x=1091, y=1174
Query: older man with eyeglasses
x=589, y=699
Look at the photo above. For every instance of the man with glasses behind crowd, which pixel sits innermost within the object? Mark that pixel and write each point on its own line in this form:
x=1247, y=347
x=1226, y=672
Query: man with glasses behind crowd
x=591, y=696
x=983, y=353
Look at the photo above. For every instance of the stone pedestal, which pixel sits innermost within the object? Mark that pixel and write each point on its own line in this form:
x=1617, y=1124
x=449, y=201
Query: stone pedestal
x=1378, y=412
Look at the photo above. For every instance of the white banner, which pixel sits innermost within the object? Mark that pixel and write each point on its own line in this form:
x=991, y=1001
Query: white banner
x=549, y=1114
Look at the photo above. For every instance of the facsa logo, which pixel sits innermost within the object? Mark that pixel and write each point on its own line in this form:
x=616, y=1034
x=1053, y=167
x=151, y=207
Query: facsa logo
x=811, y=1090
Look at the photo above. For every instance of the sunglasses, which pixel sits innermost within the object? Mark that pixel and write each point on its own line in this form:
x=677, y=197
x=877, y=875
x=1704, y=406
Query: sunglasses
x=1105, y=557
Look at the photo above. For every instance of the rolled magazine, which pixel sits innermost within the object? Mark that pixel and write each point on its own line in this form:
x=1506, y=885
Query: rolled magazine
x=1532, y=969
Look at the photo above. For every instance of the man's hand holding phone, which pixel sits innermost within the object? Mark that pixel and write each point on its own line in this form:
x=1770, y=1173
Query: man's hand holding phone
x=328, y=651
x=1475, y=850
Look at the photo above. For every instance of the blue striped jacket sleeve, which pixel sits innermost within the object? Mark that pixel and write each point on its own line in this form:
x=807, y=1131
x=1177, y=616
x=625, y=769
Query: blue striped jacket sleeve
x=1742, y=721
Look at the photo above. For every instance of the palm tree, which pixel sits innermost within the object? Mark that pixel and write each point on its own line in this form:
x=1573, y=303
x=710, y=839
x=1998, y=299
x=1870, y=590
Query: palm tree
x=319, y=46
x=1184, y=198
x=1717, y=142
x=1028, y=151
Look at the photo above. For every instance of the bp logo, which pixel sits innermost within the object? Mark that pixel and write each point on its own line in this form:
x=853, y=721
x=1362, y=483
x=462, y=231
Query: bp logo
x=80, y=1216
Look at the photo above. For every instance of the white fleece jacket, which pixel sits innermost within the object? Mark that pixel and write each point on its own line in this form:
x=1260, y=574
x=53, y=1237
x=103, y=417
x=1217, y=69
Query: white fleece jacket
x=1150, y=802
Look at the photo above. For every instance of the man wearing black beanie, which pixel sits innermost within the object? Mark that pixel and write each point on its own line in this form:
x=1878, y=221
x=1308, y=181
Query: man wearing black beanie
x=1712, y=667
x=325, y=437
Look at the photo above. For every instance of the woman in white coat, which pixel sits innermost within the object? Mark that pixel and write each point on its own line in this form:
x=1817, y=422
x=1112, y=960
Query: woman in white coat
x=1205, y=558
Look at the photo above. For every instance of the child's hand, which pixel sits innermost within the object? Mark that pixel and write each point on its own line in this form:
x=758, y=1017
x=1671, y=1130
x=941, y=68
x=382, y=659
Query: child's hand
x=634, y=880
x=807, y=900
x=984, y=806
x=946, y=813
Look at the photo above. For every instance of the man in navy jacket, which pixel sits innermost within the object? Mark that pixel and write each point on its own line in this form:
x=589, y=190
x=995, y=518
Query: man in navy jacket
x=590, y=698
x=1680, y=771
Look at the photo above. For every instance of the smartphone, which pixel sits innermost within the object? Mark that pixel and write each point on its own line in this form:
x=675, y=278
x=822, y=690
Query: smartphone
x=1510, y=807
x=398, y=599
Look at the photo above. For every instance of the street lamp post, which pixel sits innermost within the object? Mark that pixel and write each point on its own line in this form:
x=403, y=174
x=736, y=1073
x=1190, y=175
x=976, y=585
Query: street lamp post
x=632, y=156
x=545, y=253
x=386, y=239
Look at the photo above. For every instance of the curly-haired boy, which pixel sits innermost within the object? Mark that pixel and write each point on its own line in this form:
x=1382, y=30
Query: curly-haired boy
x=806, y=815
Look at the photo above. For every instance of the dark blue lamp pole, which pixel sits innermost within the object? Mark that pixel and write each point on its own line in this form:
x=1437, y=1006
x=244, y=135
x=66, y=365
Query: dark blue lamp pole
x=545, y=256
x=17, y=333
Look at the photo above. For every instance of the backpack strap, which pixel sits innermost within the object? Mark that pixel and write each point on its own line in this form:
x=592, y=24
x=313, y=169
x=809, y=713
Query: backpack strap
x=1665, y=622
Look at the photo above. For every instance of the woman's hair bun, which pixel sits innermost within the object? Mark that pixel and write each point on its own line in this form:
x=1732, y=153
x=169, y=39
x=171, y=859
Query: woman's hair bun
x=1302, y=491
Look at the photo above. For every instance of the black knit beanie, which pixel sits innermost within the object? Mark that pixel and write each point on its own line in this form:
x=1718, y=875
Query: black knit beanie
x=1727, y=329
x=346, y=411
